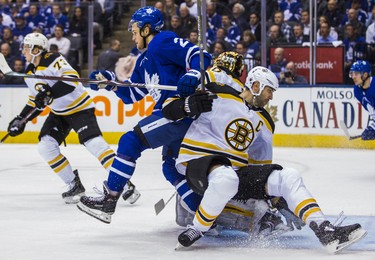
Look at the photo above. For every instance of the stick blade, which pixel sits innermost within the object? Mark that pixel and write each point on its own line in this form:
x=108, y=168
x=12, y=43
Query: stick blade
x=159, y=206
x=4, y=67
x=344, y=128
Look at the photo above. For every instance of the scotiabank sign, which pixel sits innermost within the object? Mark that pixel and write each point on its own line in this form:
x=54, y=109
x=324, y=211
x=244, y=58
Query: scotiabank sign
x=329, y=65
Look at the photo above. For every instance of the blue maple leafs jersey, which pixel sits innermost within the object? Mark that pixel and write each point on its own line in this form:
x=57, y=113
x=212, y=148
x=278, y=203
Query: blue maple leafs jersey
x=165, y=61
x=367, y=97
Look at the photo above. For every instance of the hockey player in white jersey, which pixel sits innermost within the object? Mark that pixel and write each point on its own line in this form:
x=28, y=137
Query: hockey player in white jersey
x=213, y=155
x=71, y=108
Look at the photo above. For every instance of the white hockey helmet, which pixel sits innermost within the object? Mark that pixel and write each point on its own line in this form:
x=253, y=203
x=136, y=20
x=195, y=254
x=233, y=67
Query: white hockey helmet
x=36, y=39
x=264, y=76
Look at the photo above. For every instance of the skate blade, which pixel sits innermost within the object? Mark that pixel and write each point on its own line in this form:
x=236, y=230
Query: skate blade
x=134, y=197
x=74, y=199
x=355, y=236
x=103, y=217
x=180, y=247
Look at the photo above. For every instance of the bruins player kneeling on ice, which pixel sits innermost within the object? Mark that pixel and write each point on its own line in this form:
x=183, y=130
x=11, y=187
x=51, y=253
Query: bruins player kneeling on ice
x=213, y=155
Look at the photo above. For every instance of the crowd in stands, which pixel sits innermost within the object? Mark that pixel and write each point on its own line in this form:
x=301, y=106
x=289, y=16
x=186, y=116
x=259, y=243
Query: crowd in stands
x=231, y=24
x=236, y=25
x=62, y=22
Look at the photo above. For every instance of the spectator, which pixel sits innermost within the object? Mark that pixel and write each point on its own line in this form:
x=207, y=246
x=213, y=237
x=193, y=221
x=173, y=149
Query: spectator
x=238, y=12
x=275, y=38
x=78, y=28
x=298, y=36
x=233, y=33
x=193, y=37
x=192, y=6
x=6, y=20
x=251, y=44
x=56, y=18
x=218, y=48
x=285, y=29
x=62, y=42
x=67, y=8
x=354, y=49
x=362, y=15
x=213, y=18
x=221, y=34
x=255, y=26
x=280, y=62
x=188, y=22
x=332, y=32
x=17, y=66
x=291, y=10
x=290, y=76
x=8, y=38
x=370, y=32
x=249, y=60
x=170, y=9
x=352, y=18
x=176, y=26
x=305, y=21
x=45, y=9
x=324, y=36
x=5, y=50
x=21, y=29
x=34, y=19
x=107, y=59
x=333, y=14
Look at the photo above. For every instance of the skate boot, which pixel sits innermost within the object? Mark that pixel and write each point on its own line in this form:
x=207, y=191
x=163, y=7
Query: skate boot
x=271, y=225
x=188, y=237
x=101, y=207
x=131, y=195
x=336, y=238
x=76, y=190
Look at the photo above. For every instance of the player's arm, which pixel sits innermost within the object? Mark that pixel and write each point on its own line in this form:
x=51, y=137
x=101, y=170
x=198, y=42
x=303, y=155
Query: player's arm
x=176, y=108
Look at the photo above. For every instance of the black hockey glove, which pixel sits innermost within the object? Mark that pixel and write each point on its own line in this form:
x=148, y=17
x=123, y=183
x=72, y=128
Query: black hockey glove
x=198, y=103
x=16, y=127
x=292, y=220
x=42, y=99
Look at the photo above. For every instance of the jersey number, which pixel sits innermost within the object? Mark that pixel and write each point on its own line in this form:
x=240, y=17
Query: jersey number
x=182, y=42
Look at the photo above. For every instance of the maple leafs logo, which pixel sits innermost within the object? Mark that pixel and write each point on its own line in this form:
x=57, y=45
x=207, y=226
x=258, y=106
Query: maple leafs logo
x=272, y=110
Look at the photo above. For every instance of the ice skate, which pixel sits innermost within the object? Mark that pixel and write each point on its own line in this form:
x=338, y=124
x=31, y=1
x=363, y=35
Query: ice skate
x=101, y=207
x=188, y=237
x=336, y=238
x=271, y=225
x=76, y=190
x=131, y=195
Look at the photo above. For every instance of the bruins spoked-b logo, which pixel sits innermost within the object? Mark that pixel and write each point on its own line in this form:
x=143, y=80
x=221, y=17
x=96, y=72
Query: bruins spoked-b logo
x=239, y=134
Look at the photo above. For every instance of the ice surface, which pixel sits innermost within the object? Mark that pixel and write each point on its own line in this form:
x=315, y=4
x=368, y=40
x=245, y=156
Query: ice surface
x=36, y=224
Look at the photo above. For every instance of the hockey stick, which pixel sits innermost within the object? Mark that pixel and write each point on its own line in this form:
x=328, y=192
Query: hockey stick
x=160, y=205
x=346, y=132
x=23, y=120
x=201, y=57
x=4, y=67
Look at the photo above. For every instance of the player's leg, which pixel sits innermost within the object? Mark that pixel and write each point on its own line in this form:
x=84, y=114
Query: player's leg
x=52, y=134
x=221, y=185
x=287, y=183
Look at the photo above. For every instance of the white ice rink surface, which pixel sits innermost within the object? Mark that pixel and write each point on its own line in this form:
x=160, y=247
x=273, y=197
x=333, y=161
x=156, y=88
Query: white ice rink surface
x=36, y=224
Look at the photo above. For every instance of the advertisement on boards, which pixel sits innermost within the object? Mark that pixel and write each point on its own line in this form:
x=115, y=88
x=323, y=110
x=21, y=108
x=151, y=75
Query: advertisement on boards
x=329, y=65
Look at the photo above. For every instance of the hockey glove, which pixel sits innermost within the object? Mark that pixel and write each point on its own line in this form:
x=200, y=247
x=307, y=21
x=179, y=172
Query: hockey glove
x=198, y=103
x=368, y=134
x=291, y=219
x=188, y=83
x=42, y=99
x=16, y=127
x=102, y=75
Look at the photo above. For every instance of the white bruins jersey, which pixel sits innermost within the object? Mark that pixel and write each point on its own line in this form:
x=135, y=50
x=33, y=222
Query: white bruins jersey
x=68, y=97
x=261, y=150
x=220, y=77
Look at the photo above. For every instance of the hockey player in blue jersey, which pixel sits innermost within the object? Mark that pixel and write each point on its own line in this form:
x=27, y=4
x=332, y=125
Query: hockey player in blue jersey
x=167, y=60
x=364, y=92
